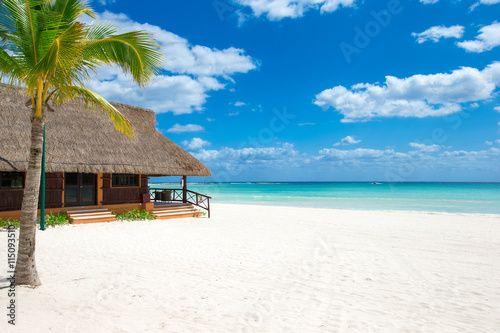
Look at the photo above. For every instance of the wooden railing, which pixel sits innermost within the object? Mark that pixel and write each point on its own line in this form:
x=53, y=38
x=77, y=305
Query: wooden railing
x=164, y=195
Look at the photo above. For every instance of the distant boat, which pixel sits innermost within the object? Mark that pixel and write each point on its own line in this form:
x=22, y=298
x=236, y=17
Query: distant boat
x=376, y=183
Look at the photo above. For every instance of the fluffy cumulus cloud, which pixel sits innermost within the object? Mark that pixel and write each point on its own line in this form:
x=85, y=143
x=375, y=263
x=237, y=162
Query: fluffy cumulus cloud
x=436, y=33
x=416, y=96
x=195, y=144
x=497, y=109
x=177, y=93
x=177, y=128
x=425, y=148
x=279, y=9
x=348, y=140
x=487, y=39
x=191, y=71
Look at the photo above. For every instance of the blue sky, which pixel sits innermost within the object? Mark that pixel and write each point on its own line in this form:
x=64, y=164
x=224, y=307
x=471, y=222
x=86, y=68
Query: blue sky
x=323, y=90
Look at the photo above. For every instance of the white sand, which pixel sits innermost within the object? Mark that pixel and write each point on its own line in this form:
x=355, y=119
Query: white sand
x=267, y=269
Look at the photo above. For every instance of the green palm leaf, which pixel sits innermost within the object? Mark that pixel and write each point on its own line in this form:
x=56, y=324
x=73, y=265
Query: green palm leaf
x=46, y=50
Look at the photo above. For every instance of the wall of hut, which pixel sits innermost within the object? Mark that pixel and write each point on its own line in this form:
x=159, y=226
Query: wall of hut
x=12, y=199
x=122, y=195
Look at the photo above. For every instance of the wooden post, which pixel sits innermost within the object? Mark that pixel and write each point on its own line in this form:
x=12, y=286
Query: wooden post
x=42, y=186
x=184, y=189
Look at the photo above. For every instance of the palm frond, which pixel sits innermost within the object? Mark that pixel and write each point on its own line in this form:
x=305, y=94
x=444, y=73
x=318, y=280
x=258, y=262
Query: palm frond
x=10, y=67
x=45, y=49
x=71, y=10
x=64, y=53
x=94, y=102
x=135, y=52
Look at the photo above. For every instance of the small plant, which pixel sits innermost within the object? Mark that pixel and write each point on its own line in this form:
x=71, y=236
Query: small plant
x=59, y=219
x=135, y=215
x=7, y=223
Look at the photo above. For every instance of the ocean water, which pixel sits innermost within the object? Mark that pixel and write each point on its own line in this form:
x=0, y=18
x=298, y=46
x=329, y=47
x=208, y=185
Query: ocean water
x=472, y=198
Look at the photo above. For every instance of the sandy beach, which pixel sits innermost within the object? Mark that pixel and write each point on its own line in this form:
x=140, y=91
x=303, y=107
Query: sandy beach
x=266, y=269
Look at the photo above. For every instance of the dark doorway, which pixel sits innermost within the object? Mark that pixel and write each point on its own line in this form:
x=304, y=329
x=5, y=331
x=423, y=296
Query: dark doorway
x=79, y=189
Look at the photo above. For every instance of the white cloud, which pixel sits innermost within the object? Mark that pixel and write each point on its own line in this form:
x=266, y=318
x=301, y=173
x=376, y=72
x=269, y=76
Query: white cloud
x=425, y=148
x=428, y=2
x=238, y=104
x=229, y=164
x=357, y=154
x=306, y=124
x=195, y=144
x=348, y=140
x=480, y=154
x=183, y=58
x=438, y=32
x=489, y=143
x=497, y=108
x=237, y=160
x=279, y=9
x=185, y=128
x=498, y=141
x=194, y=71
x=487, y=39
x=484, y=2
x=232, y=114
x=167, y=93
x=417, y=96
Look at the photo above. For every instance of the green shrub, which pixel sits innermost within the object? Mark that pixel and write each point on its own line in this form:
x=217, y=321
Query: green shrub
x=59, y=219
x=135, y=215
x=6, y=223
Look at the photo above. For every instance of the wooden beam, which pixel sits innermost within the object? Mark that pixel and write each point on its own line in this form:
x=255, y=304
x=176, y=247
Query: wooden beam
x=99, y=189
x=184, y=189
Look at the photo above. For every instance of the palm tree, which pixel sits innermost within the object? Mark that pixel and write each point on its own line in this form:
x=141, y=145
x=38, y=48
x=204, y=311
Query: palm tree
x=49, y=53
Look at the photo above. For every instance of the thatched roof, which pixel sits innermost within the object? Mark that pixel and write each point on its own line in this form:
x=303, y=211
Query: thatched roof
x=77, y=141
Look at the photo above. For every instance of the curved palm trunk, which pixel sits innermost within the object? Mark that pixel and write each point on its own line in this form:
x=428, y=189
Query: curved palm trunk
x=26, y=273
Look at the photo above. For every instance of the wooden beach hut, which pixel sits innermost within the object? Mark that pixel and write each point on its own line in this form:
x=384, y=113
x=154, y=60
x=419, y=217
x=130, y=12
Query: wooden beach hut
x=92, y=169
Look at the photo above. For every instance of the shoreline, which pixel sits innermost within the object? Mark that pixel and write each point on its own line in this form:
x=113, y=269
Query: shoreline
x=362, y=210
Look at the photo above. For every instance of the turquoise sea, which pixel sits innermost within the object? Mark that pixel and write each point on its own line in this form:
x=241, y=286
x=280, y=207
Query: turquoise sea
x=483, y=198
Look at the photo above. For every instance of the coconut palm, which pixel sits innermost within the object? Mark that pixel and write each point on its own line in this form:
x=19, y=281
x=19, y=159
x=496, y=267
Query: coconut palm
x=47, y=51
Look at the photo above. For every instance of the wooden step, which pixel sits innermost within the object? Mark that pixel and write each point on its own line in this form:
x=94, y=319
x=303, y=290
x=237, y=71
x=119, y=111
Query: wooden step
x=89, y=210
x=175, y=216
x=161, y=211
x=174, y=211
x=174, y=206
x=90, y=215
x=94, y=220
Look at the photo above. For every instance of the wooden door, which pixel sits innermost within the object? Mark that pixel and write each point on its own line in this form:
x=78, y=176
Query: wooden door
x=79, y=189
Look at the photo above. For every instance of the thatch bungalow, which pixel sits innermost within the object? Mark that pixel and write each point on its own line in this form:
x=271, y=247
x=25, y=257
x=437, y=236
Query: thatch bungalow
x=89, y=163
